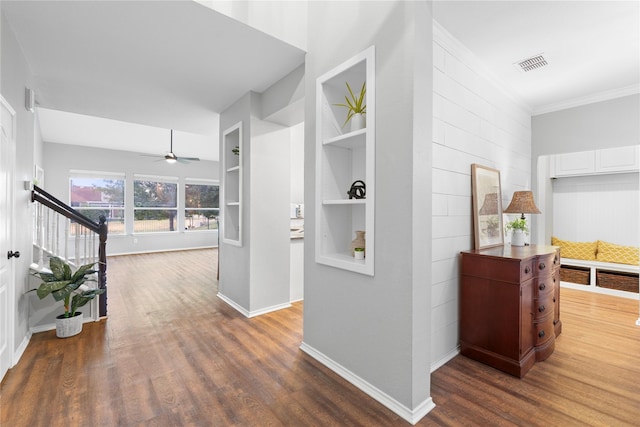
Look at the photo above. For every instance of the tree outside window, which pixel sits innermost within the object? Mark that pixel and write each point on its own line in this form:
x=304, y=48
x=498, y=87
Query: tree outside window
x=156, y=207
x=201, y=207
x=93, y=196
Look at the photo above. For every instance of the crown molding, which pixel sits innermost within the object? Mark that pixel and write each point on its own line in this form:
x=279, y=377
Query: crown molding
x=588, y=99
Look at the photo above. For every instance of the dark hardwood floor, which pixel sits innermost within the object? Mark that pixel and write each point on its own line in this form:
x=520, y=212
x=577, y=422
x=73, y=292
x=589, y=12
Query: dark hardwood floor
x=173, y=354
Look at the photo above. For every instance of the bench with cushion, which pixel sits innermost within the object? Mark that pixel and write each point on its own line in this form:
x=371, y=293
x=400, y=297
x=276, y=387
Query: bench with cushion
x=599, y=266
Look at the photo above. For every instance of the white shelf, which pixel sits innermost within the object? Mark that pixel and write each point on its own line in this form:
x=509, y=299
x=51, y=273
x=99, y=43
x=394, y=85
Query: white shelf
x=231, y=224
x=345, y=202
x=341, y=159
x=351, y=140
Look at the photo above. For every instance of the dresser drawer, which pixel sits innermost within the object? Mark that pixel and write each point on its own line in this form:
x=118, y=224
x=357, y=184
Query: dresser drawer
x=543, y=305
x=543, y=330
x=545, y=265
x=546, y=284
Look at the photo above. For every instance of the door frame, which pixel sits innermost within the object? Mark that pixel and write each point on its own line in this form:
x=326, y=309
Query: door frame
x=11, y=277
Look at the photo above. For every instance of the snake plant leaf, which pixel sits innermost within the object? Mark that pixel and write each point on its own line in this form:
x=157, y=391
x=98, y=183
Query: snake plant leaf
x=50, y=287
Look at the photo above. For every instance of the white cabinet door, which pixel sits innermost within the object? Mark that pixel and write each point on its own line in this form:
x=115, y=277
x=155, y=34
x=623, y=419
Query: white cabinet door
x=571, y=164
x=622, y=159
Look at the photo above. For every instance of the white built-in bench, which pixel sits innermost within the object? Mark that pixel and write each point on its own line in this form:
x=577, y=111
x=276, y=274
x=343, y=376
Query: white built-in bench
x=593, y=267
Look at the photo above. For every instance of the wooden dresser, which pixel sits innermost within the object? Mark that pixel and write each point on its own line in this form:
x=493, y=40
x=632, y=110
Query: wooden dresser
x=510, y=305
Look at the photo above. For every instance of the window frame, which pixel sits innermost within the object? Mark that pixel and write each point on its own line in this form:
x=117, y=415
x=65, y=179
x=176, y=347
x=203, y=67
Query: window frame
x=164, y=179
x=103, y=175
x=202, y=182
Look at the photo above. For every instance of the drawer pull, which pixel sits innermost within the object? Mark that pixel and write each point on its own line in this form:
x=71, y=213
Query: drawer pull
x=555, y=259
x=527, y=270
x=554, y=299
x=555, y=322
x=541, y=308
x=541, y=334
x=542, y=266
x=542, y=286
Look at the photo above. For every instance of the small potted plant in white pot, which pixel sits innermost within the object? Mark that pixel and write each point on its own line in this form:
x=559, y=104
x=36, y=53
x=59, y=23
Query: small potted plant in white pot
x=356, y=108
x=68, y=286
x=518, y=228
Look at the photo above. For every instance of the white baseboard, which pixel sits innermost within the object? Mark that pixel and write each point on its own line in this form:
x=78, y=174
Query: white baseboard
x=254, y=313
x=410, y=415
x=438, y=364
x=17, y=355
x=599, y=290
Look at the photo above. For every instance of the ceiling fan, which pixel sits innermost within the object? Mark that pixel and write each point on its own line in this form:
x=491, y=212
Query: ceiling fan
x=170, y=157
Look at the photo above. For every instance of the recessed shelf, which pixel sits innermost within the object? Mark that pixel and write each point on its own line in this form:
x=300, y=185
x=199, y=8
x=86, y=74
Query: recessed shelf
x=232, y=186
x=355, y=139
x=344, y=202
x=341, y=159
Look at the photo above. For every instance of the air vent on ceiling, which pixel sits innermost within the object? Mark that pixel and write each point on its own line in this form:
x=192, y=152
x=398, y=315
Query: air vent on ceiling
x=532, y=63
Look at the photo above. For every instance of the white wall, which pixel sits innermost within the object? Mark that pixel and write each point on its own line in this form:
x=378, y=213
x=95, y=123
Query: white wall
x=15, y=75
x=374, y=330
x=59, y=159
x=590, y=208
x=474, y=122
x=607, y=124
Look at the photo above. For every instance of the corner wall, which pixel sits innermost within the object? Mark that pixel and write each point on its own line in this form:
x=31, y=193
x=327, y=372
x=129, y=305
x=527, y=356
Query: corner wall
x=15, y=76
x=374, y=330
x=475, y=121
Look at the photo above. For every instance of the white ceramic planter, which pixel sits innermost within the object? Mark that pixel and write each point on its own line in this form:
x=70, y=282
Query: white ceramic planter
x=69, y=326
x=358, y=121
x=517, y=238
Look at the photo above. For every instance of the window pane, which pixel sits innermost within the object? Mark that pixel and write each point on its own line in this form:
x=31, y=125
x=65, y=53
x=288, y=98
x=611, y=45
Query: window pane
x=97, y=192
x=201, y=219
x=201, y=196
x=155, y=194
x=93, y=196
x=115, y=218
x=154, y=220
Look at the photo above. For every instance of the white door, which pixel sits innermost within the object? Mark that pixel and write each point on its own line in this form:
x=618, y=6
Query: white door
x=7, y=144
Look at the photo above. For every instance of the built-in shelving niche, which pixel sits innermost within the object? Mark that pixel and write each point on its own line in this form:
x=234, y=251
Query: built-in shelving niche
x=232, y=185
x=342, y=157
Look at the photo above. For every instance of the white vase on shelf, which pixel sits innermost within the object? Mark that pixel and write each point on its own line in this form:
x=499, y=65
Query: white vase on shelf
x=358, y=121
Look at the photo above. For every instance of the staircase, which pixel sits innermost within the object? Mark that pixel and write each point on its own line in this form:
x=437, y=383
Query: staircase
x=60, y=230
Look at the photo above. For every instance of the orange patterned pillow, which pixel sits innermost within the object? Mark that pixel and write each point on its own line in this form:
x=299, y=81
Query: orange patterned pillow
x=576, y=250
x=610, y=252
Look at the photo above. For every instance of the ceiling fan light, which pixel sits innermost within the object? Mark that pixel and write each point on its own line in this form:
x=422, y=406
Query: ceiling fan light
x=170, y=160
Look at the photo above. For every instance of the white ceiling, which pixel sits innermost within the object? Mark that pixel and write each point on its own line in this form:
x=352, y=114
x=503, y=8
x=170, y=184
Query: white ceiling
x=163, y=64
x=157, y=65
x=592, y=47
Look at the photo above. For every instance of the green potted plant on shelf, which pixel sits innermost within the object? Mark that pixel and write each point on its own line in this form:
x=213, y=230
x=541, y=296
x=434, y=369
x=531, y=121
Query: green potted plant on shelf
x=518, y=228
x=356, y=108
x=68, y=286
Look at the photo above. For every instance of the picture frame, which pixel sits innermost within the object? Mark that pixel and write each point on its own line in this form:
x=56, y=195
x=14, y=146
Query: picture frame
x=487, y=207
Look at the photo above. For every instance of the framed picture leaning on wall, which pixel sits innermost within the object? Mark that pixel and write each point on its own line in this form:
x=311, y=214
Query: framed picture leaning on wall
x=487, y=206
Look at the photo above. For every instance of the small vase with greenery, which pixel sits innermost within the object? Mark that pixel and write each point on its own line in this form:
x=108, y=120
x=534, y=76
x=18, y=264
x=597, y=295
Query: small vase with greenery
x=354, y=104
x=518, y=228
x=62, y=283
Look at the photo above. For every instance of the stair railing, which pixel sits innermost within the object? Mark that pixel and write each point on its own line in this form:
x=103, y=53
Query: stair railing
x=60, y=230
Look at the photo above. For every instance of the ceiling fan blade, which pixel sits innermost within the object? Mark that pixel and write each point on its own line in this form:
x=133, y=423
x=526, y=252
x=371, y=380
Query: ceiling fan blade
x=193, y=159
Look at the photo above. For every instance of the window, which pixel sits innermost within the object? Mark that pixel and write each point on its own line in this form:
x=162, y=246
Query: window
x=201, y=202
x=99, y=193
x=155, y=202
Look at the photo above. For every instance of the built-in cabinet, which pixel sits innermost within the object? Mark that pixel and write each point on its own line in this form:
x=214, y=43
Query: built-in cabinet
x=232, y=185
x=344, y=156
x=606, y=161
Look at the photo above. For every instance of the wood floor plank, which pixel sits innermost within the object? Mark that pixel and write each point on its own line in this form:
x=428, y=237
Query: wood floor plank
x=173, y=354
